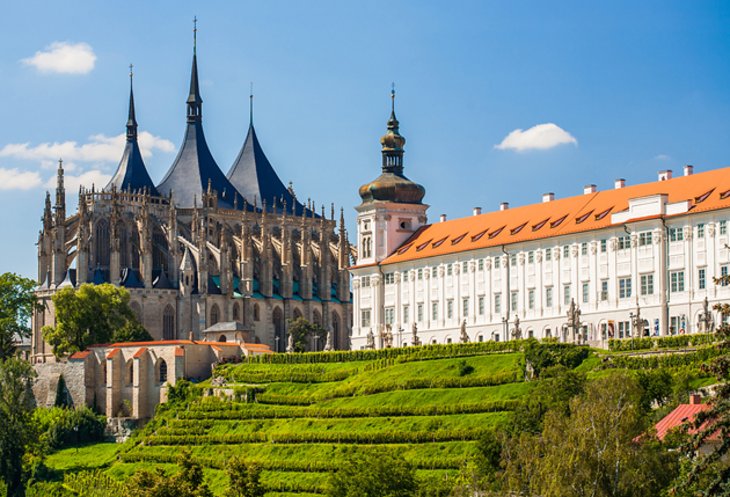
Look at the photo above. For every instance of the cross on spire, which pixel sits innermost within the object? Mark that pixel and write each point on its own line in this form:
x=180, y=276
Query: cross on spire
x=392, y=97
x=250, y=105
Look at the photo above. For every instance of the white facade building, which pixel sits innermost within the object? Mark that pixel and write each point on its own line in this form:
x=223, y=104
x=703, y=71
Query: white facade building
x=651, y=249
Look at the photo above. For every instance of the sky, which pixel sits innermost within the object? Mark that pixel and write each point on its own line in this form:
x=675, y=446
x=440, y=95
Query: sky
x=499, y=101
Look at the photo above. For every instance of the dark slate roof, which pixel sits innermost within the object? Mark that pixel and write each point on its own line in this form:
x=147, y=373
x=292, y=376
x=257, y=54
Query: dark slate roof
x=255, y=178
x=194, y=165
x=131, y=173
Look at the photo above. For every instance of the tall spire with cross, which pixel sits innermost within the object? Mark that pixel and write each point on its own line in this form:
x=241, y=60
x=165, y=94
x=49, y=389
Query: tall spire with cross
x=195, y=102
x=131, y=118
x=250, y=106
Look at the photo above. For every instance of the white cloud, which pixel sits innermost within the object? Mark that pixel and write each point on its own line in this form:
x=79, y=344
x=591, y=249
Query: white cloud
x=87, y=179
x=15, y=179
x=663, y=157
x=63, y=57
x=539, y=137
x=100, y=148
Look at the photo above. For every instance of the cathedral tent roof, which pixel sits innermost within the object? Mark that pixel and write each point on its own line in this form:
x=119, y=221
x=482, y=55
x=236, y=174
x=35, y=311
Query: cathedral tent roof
x=255, y=178
x=194, y=167
x=131, y=174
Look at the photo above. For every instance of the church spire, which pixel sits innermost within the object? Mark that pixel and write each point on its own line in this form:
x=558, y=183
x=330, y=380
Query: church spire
x=131, y=119
x=250, y=106
x=60, y=193
x=195, y=102
x=392, y=141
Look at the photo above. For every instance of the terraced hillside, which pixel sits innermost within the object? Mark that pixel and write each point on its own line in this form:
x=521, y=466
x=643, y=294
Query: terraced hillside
x=298, y=416
x=301, y=419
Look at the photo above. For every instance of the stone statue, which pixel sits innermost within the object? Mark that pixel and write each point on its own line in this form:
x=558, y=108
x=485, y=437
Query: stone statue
x=370, y=340
x=464, y=337
x=388, y=337
x=574, y=319
x=328, y=342
x=706, y=321
x=517, y=331
x=414, y=331
x=290, y=344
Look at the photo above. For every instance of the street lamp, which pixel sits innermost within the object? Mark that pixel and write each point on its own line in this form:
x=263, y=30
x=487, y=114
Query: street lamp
x=504, y=328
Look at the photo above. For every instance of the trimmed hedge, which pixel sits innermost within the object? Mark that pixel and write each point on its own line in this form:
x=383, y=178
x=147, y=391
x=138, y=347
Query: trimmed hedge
x=220, y=410
x=647, y=343
x=665, y=360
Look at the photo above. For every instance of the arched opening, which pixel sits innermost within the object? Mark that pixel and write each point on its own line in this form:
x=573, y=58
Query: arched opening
x=236, y=312
x=129, y=373
x=297, y=314
x=214, y=315
x=159, y=251
x=222, y=338
x=162, y=371
x=278, y=320
x=124, y=256
x=168, y=323
x=101, y=243
x=256, y=313
x=335, y=331
x=316, y=317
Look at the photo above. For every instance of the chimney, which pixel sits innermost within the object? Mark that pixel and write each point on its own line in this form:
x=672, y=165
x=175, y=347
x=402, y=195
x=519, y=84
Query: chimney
x=665, y=175
x=548, y=197
x=588, y=189
x=619, y=183
x=689, y=170
x=477, y=211
x=443, y=218
x=504, y=206
x=695, y=398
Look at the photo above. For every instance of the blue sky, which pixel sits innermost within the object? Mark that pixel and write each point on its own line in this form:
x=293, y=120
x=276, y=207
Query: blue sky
x=630, y=87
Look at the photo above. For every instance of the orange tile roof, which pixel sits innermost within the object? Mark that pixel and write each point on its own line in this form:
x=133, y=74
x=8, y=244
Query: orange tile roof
x=179, y=352
x=139, y=353
x=684, y=413
x=705, y=191
x=113, y=353
x=80, y=355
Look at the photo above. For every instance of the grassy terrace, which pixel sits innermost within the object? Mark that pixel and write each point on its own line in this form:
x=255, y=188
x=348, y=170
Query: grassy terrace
x=307, y=412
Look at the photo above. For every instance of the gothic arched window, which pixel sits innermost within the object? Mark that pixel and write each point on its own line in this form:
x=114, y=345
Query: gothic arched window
x=168, y=323
x=162, y=371
x=101, y=243
x=236, y=314
x=256, y=313
x=214, y=314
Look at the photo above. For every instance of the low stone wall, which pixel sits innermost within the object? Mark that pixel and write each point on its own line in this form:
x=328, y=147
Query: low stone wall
x=45, y=388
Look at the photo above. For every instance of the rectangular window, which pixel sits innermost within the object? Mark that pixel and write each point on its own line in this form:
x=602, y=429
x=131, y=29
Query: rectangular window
x=549, y=296
x=404, y=275
x=481, y=305
x=513, y=260
x=676, y=281
x=701, y=278
x=624, y=329
x=434, y=272
x=604, y=246
x=365, y=281
x=585, y=293
x=548, y=254
x=604, y=290
x=676, y=234
x=365, y=318
x=723, y=227
x=389, y=315
x=624, y=288
x=647, y=284
x=531, y=257
x=434, y=311
x=644, y=238
x=624, y=242
x=480, y=264
x=389, y=278
x=419, y=312
x=723, y=275
x=464, y=267
x=497, y=303
x=584, y=248
x=566, y=294
x=465, y=307
x=406, y=314
x=531, y=298
x=566, y=251
x=449, y=269
x=497, y=262
x=450, y=309
x=420, y=274
x=513, y=301
x=701, y=230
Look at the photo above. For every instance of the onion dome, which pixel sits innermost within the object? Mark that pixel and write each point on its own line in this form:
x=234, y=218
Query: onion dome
x=392, y=185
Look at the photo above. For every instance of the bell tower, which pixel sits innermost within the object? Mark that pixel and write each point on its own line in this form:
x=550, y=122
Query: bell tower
x=392, y=208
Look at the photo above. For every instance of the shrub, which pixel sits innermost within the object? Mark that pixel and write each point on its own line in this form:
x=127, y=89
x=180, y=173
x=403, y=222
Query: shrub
x=465, y=369
x=62, y=427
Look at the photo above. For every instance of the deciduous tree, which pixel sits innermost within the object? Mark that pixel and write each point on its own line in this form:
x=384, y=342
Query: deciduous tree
x=302, y=331
x=92, y=314
x=244, y=479
x=17, y=303
x=373, y=474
